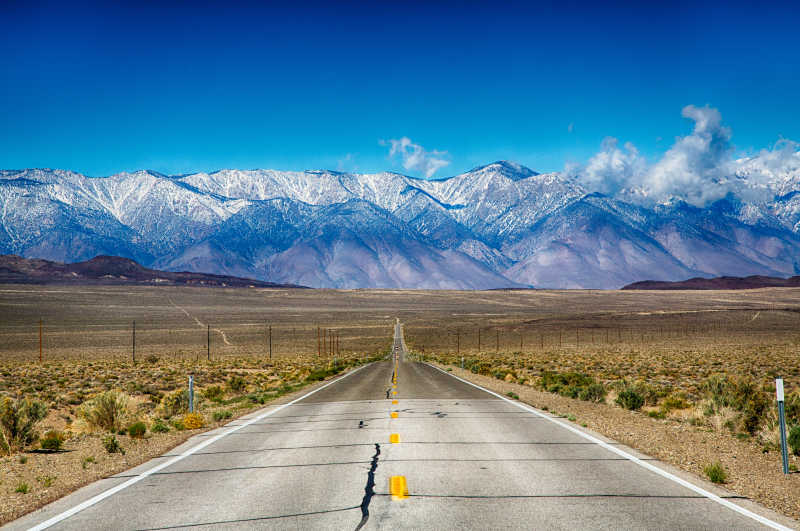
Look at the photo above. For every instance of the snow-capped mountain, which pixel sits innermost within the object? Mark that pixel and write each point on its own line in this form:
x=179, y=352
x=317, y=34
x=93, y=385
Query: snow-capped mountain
x=499, y=225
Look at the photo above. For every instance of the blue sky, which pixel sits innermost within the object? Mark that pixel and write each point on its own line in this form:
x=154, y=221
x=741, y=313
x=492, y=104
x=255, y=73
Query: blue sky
x=102, y=89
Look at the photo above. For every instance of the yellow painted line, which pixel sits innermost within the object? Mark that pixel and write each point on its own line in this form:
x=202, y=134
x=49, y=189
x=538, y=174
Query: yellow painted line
x=394, y=414
x=394, y=401
x=394, y=392
x=394, y=438
x=398, y=487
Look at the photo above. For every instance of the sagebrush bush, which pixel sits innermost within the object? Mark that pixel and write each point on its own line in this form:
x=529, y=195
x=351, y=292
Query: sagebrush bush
x=53, y=441
x=319, y=374
x=675, y=401
x=159, y=427
x=629, y=398
x=112, y=446
x=743, y=396
x=213, y=393
x=595, y=392
x=137, y=430
x=222, y=415
x=193, y=421
x=237, y=384
x=106, y=411
x=176, y=403
x=794, y=439
x=18, y=420
x=573, y=385
x=716, y=473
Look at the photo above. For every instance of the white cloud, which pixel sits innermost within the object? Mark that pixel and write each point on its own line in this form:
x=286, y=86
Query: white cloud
x=415, y=158
x=696, y=168
x=699, y=167
x=613, y=168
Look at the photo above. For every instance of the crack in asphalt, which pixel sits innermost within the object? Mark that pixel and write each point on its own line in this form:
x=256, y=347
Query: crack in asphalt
x=369, y=488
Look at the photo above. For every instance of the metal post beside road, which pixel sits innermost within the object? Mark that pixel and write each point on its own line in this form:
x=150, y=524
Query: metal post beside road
x=782, y=421
x=191, y=394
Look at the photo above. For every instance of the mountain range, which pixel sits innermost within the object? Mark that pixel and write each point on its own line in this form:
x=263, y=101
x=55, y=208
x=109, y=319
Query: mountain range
x=497, y=226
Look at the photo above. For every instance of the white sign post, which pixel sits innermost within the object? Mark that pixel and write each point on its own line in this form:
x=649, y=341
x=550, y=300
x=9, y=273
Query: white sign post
x=782, y=420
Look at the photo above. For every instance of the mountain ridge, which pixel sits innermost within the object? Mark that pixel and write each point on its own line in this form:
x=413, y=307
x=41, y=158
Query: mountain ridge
x=113, y=270
x=499, y=225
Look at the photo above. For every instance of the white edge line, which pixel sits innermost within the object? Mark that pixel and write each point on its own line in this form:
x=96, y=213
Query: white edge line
x=110, y=492
x=626, y=455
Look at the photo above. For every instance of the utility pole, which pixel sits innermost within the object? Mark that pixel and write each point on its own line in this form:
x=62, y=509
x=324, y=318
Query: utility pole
x=208, y=342
x=270, y=341
x=497, y=341
x=479, y=340
x=133, y=352
x=458, y=341
x=40, y=340
x=520, y=341
x=319, y=352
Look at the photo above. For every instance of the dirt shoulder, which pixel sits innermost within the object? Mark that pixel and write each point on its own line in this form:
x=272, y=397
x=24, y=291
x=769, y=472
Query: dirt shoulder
x=751, y=472
x=50, y=476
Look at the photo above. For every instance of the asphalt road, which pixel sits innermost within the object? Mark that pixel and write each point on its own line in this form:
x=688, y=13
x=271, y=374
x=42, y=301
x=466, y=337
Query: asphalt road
x=469, y=459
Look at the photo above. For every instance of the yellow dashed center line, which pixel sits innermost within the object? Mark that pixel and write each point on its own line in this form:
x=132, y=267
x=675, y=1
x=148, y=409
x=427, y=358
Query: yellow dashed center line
x=394, y=438
x=398, y=487
x=394, y=414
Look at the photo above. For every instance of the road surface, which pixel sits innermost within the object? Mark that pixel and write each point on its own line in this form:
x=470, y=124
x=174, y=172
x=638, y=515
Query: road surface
x=463, y=459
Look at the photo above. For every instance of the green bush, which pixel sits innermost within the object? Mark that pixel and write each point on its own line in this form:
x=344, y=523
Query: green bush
x=222, y=415
x=106, y=411
x=512, y=394
x=112, y=446
x=237, y=384
x=595, y=392
x=675, y=401
x=18, y=420
x=319, y=374
x=792, y=408
x=22, y=488
x=137, y=430
x=53, y=441
x=742, y=395
x=159, y=427
x=716, y=473
x=794, y=439
x=176, y=403
x=573, y=385
x=630, y=399
x=213, y=393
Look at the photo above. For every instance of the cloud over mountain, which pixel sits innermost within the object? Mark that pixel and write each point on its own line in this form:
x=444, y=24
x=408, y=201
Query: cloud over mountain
x=698, y=168
x=416, y=158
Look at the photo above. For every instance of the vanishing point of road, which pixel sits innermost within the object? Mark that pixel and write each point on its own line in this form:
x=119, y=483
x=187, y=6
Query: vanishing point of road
x=397, y=444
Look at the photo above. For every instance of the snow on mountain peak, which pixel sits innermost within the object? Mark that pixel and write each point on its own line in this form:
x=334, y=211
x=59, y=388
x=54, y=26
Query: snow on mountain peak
x=496, y=225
